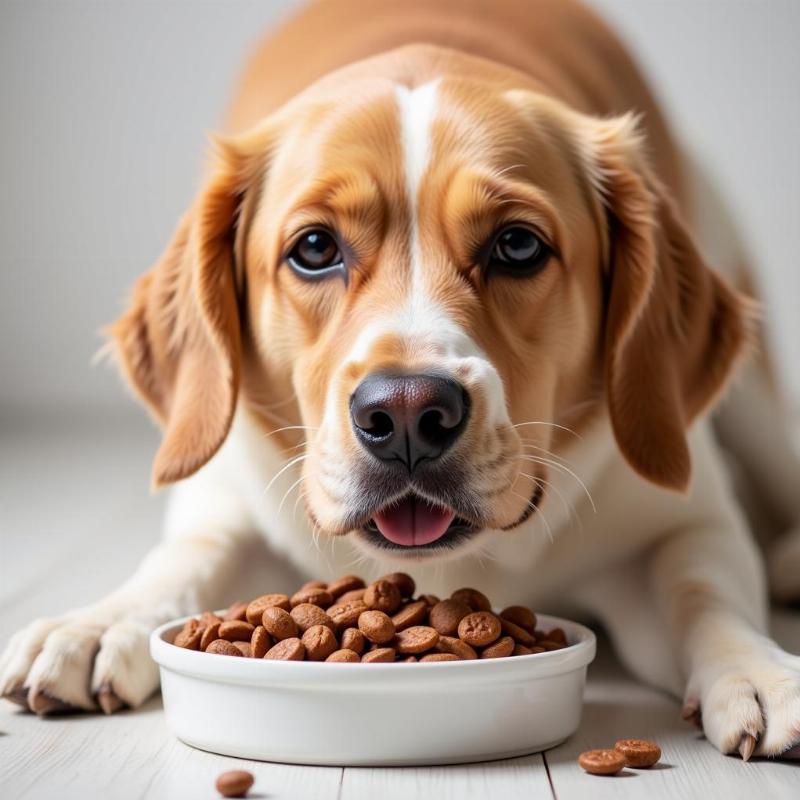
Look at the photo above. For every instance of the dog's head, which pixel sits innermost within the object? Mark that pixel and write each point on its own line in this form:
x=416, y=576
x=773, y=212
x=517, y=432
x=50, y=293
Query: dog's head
x=434, y=279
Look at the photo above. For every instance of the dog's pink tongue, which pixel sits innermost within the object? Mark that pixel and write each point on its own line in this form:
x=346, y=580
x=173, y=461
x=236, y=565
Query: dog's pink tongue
x=413, y=522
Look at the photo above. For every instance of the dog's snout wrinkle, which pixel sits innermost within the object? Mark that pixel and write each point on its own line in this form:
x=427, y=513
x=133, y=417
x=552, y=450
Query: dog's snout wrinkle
x=408, y=418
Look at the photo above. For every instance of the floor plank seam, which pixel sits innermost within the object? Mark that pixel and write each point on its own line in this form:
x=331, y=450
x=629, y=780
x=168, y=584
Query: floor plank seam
x=341, y=784
x=549, y=776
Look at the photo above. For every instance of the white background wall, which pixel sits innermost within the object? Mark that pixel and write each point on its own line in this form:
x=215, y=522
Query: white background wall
x=103, y=108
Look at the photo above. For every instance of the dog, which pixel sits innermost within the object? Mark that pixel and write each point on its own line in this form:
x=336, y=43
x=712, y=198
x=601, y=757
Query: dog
x=444, y=260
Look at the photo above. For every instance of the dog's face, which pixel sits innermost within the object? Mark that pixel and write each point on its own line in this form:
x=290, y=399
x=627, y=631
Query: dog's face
x=435, y=282
x=432, y=275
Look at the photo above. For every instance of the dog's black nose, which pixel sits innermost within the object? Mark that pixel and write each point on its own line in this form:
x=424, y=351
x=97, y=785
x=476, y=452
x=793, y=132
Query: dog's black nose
x=408, y=418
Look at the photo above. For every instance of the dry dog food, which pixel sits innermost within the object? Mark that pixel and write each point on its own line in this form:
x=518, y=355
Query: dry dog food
x=383, y=622
x=602, y=762
x=639, y=753
x=636, y=753
x=235, y=783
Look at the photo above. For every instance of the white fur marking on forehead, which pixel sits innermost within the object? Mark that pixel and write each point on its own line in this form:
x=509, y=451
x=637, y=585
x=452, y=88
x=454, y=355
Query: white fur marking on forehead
x=417, y=109
x=437, y=338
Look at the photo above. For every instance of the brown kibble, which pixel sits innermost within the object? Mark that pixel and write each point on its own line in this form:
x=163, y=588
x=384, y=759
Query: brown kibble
x=256, y=608
x=313, y=585
x=208, y=618
x=347, y=583
x=546, y=645
x=557, y=635
x=353, y=639
x=502, y=648
x=416, y=639
x=376, y=626
x=314, y=595
x=306, y=616
x=517, y=633
x=520, y=615
x=345, y=615
x=412, y=614
x=234, y=630
x=209, y=634
x=287, y=650
x=446, y=615
x=453, y=646
x=260, y=642
x=404, y=583
x=639, y=753
x=279, y=623
x=222, y=647
x=344, y=620
x=440, y=657
x=345, y=655
x=235, y=611
x=480, y=628
x=429, y=599
x=383, y=596
x=235, y=783
x=602, y=762
x=348, y=597
x=476, y=600
x=244, y=648
x=190, y=635
x=319, y=642
x=383, y=655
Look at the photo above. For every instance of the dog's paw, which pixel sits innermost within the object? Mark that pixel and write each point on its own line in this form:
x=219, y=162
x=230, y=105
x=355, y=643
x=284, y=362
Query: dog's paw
x=749, y=704
x=783, y=565
x=83, y=661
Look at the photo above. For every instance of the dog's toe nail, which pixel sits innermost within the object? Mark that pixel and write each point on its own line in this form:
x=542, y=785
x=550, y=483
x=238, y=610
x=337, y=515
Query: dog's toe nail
x=746, y=746
x=108, y=700
x=18, y=695
x=42, y=703
x=691, y=713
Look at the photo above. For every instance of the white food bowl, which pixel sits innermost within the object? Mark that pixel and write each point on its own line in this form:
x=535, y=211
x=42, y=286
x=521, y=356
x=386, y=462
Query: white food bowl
x=303, y=712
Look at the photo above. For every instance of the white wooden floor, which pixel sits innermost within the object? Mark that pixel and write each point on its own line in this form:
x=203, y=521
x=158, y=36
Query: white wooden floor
x=75, y=516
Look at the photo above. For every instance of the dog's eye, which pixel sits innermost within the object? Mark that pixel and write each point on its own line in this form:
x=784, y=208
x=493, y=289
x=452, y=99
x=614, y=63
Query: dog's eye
x=315, y=253
x=518, y=250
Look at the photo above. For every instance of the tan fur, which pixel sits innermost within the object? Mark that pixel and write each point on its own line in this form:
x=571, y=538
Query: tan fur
x=505, y=148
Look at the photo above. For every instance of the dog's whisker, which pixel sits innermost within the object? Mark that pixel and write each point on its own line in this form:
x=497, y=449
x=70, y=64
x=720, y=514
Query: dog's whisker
x=577, y=408
x=269, y=406
x=546, y=452
x=288, y=492
x=314, y=535
x=568, y=507
x=539, y=514
x=551, y=424
x=300, y=496
x=294, y=447
x=550, y=463
x=289, y=428
x=564, y=469
x=292, y=462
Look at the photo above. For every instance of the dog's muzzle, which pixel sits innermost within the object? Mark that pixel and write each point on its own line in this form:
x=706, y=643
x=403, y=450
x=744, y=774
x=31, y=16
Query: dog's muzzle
x=408, y=423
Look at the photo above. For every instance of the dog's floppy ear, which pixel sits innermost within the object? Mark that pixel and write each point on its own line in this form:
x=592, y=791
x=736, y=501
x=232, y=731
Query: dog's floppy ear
x=179, y=342
x=674, y=329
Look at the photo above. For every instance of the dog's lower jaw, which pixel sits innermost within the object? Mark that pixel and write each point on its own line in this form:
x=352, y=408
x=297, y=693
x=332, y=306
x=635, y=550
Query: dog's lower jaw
x=530, y=509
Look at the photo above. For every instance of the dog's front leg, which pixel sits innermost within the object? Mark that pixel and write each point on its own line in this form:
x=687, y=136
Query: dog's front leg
x=98, y=655
x=743, y=688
